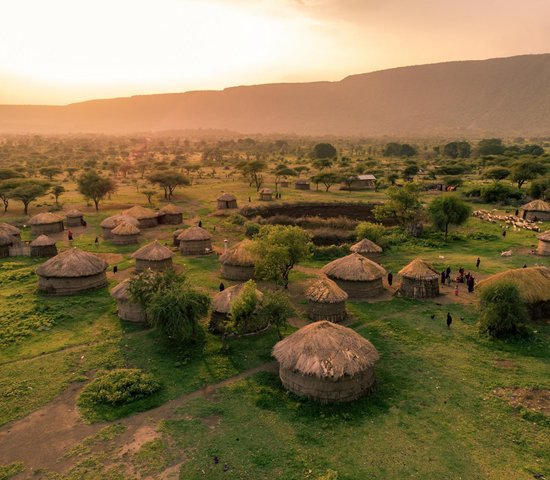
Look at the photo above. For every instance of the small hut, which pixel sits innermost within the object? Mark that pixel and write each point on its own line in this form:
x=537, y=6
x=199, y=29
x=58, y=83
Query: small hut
x=238, y=262
x=533, y=284
x=109, y=223
x=45, y=223
x=536, y=210
x=70, y=272
x=195, y=241
x=175, y=236
x=226, y=201
x=43, y=246
x=326, y=362
x=154, y=256
x=266, y=194
x=419, y=280
x=302, y=184
x=127, y=309
x=125, y=234
x=146, y=217
x=74, y=218
x=170, y=215
x=327, y=301
x=10, y=230
x=543, y=247
x=284, y=183
x=6, y=241
x=222, y=303
x=366, y=248
x=358, y=276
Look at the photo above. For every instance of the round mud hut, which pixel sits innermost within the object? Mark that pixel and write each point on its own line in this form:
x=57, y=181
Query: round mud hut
x=175, y=236
x=170, y=215
x=146, y=217
x=226, y=201
x=43, y=246
x=109, y=223
x=326, y=301
x=543, y=247
x=302, y=185
x=45, y=223
x=74, y=218
x=221, y=307
x=10, y=230
x=70, y=272
x=326, y=362
x=358, y=276
x=154, y=256
x=533, y=284
x=6, y=241
x=266, y=194
x=125, y=234
x=127, y=309
x=366, y=248
x=195, y=241
x=419, y=280
x=536, y=210
x=238, y=262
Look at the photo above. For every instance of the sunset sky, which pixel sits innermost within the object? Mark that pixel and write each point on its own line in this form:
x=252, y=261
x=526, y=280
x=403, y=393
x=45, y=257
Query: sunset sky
x=62, y=51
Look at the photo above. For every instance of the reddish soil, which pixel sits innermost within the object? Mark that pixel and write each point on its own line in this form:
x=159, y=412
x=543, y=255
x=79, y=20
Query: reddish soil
x=536, y=399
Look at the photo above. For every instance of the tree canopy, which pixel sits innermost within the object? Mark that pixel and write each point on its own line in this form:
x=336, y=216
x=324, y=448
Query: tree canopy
x=448, y=210
x=324, y=150
x=457, y=150
x=169, y=180
x=23, y=189
x=95, y=187
x=526, y=169
x=402, y=207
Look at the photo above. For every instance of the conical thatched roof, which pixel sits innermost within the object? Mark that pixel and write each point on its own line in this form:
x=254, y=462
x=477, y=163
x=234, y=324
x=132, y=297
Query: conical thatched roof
x=222, y=301
x=324, y=290
x=170, y=208
x=365, y=246
x=43, y=241
x=73, y=213
x=537, y=206
x=45, y=218
x=5, y=239
x=124, y=229
x=239, y=255
x=113, y=221
x=533, y=283
x=139, y=212
x=195, y=233
x=72, y=263
x=153, y=252
x=227, y=197
x=545, y=236
x=326, y=350
x=9, y=229
x=120, y=291
x=354, y=268
x=418, y=269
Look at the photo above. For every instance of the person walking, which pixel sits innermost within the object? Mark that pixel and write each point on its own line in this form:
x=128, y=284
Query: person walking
x=390, y=278
x=449, y=320
x=70, y=235
x=503, y=233
x=96, y=241
x=222, y=287
x=456, y=290
x=448, y=272
x=478, y=261
x=448, y=280
x=200, y=223
x=443, y=277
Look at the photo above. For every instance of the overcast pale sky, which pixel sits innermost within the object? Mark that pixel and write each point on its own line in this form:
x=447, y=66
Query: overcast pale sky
x=61, y=51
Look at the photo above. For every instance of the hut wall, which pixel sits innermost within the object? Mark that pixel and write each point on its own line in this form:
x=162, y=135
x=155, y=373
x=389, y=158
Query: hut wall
x=419, y=288
x=170, y=218
x=106, y=233
x=543, y=248
x=124, y=239
x=195, y=247
x=236, y=272
x=216, y=321
x=74, y=221
x=147, y=222
x=333, y=312
x=71, y=286
x=359, y=290
x=131, y=312
x=47, y=228
x=154, y=265
x=302, y=186
x=344, y=389
x=44, y=251
x=266, y=197
x=223, y=205
x=530, y=215
x=4, y=251
x=539, y=311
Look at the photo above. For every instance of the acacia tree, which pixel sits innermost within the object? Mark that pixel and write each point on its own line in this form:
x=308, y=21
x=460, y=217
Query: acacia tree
x=502, y=311
x=527, y=169
x=282, y=171
x=24, y=190
x=402, y=207
x=276, y=309
x=448, y=210
x=328, y=179
x=50, y=172
x=324, y=150
x=496, y=173
x=149, y=195
x=252, y=172
x=169, y=180
x=57, y=191
x=95, y=187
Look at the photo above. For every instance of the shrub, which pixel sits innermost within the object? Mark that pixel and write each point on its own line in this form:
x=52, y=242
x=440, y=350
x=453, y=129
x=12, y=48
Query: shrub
x=500, y=192
x=330, y=252
x=244, y=315
x=251, y=229
x=375, y=232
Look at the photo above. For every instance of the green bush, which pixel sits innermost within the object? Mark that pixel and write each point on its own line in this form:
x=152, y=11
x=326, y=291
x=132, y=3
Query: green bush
x=375, y=232
x=118, y=387
x=330, y=252
x=500, y=193
x=251, y=229
x=244, y=315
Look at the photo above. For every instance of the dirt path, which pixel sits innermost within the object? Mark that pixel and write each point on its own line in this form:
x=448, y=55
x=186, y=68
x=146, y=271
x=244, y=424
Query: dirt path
x=41, y=439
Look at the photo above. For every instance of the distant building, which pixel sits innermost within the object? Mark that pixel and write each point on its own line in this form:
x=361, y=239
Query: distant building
x=362, y=182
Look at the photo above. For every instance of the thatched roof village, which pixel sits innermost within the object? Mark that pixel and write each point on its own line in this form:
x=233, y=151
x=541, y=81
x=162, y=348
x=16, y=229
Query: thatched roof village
x=536, y=210
x=127, y=309
x=154, y=255
x=74, y=217
x=365, y=247
x=543, y=247
x=238, y=262
x=222, y=303
x=326, y=300
x=111, y=222
x=125, y=234
x=146, y=217
x=10, y=229
x=6, y=240
x=195, y=241
x=170, y=214
x=226, y=201
x=419, y=280
x=46, y=223
x=43, y=246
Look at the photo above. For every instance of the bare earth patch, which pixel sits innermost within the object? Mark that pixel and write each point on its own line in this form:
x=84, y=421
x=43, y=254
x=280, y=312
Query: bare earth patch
x=111, y=258
x=212, y=421
x=536, y=399
x=140, y=437
x=508, y=364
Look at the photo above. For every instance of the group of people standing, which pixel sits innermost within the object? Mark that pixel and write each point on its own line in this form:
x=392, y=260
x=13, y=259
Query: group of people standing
x=467, y=278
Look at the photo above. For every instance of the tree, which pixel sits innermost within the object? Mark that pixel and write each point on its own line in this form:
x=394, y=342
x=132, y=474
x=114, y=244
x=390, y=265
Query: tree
x=149, y=195
x=540, y=188
x=276, y=309
x=324, y=150
x=502, y=311
x=95, y=187
x=497, y=173
x=402, y=207
x=491, y=146
x=57, y=191
x=24, y=190
x=457, y=150
x=282, y=171
x=252, y=172
x=526, y=169
x=279, y=248
x=243, y=316
x=328, y=179
x=448, y=210
x=50, y=172
x=322, y=163
x=71, y=171
x=301, y=169
x=6, y=173
x=393, y=149
x=410, y=171
x=169, y=180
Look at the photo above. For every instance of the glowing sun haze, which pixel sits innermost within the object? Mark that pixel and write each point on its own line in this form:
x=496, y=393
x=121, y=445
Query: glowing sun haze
x=61, y=51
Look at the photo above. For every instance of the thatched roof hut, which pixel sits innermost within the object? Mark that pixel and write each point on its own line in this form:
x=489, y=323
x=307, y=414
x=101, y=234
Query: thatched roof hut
x=70, y=272
x=10, y=230
x=175, y=236
x=125, y=234
x=327, y=301
x=170, y=214
x=238, y=262
x=226, y=201
x=46, y=223
x=543, y=247
x=146, y=217
x=326, y=362
x=127, y=309
x=533, y=284
x=419, y=280
x=6, y=241
x=358, y=276
x=302, y=184
x=154, y=256
x=109, y=223
x=195, y=241
x=536, y=210
x=266, y=194
x=74, y=218
x=366, y=247
x=222, y=303
x=43, y=246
